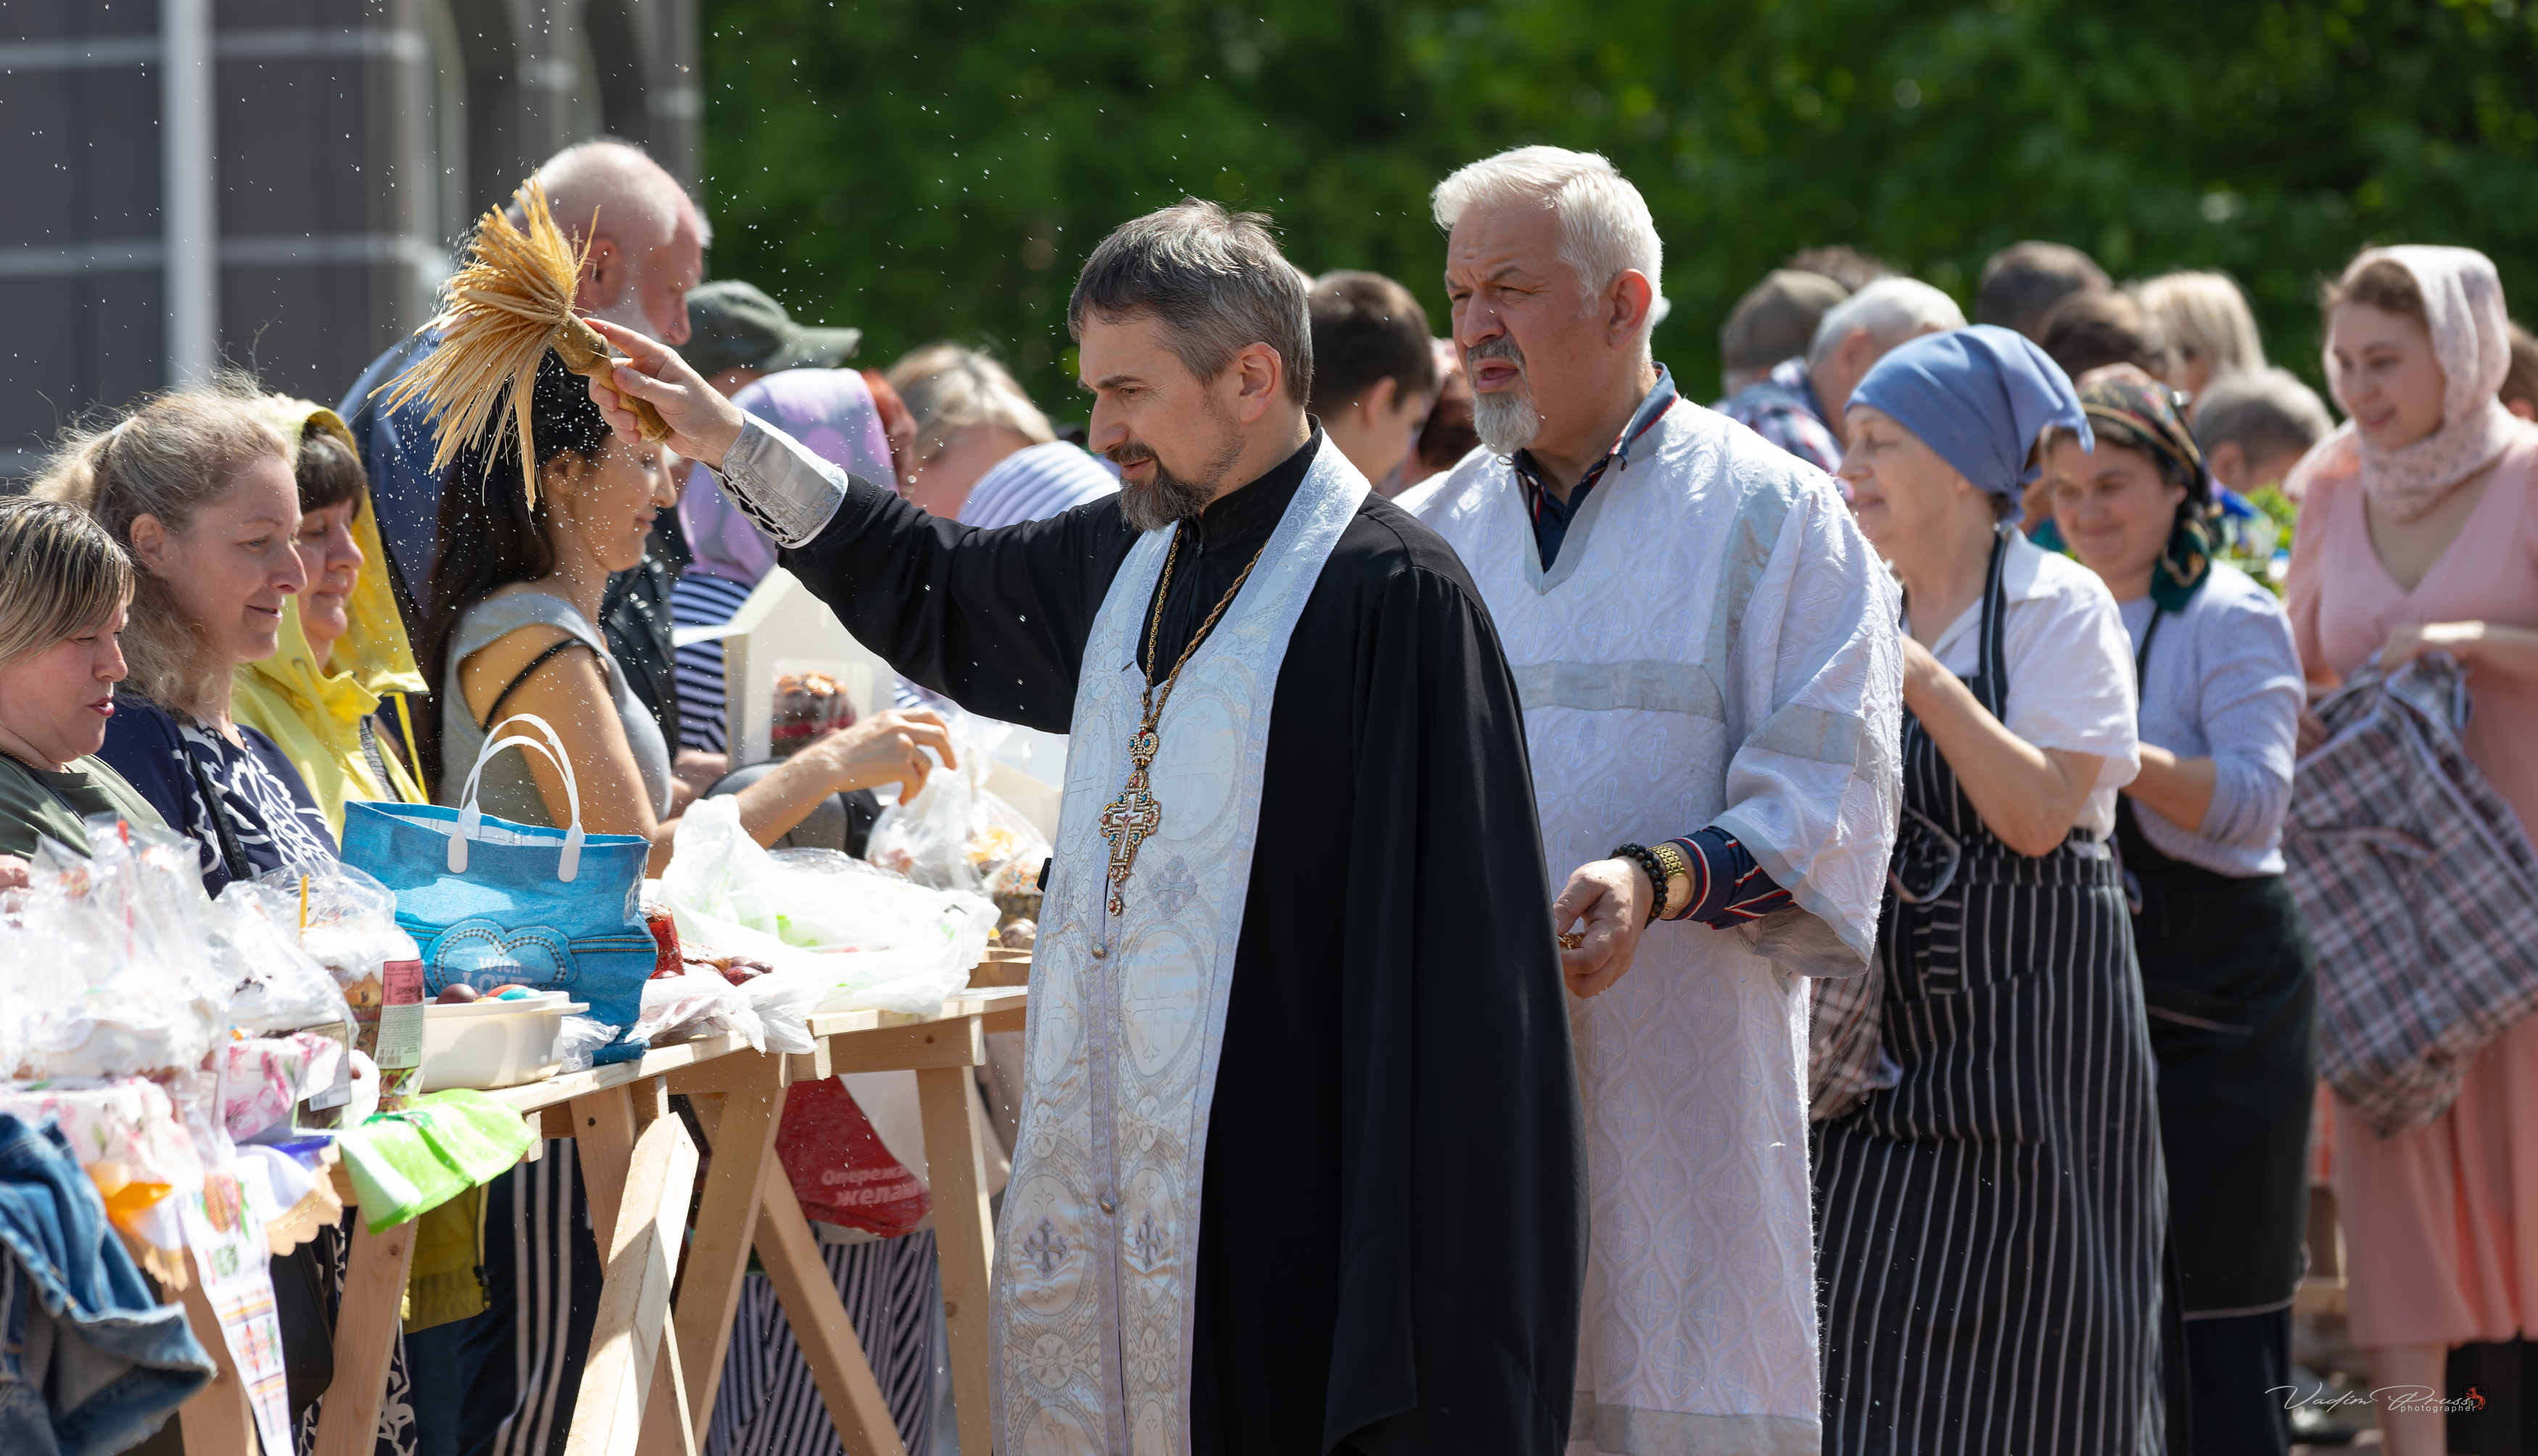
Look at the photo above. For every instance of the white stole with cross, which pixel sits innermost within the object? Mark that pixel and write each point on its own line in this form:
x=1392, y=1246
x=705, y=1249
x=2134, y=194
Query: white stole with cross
x=1095, y=1266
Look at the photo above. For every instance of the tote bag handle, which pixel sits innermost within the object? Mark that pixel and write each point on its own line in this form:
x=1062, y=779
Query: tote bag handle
x=471, y=817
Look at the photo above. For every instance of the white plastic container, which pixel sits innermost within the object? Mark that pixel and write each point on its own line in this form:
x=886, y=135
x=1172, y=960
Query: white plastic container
x=482, y=1045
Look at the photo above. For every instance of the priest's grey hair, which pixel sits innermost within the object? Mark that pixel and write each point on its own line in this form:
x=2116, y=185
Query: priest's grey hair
x=1892, y=310
x=1605, y=228
x=1214, y=279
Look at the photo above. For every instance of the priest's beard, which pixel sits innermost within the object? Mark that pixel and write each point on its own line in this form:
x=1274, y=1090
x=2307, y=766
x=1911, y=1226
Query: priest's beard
x=1169, y=498
x=1506, y=421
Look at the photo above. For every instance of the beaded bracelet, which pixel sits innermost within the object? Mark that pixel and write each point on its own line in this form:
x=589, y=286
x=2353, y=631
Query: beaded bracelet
x=1648, y=862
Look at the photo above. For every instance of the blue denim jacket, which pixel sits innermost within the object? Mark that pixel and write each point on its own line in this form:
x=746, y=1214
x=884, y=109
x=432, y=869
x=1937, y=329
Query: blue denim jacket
x=89, y=1362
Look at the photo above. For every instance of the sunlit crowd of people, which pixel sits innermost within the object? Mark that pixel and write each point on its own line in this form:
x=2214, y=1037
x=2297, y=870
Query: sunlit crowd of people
x=2058, y=1157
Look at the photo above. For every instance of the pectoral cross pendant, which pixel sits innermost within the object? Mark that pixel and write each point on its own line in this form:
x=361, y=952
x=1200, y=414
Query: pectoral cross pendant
x=1133, y=818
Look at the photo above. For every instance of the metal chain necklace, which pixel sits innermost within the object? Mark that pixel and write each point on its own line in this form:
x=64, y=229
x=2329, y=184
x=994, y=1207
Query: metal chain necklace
x=1134, y=816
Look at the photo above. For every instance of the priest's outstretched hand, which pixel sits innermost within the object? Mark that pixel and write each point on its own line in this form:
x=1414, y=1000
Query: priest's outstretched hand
x=1612, y=895
x=702, y=423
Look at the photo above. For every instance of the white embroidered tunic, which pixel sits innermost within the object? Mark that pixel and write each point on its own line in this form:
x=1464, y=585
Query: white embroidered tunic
x=1714, y=644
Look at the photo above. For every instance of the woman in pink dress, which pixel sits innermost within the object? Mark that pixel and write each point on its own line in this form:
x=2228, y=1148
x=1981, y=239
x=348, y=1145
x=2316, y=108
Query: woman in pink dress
x=2419, y=533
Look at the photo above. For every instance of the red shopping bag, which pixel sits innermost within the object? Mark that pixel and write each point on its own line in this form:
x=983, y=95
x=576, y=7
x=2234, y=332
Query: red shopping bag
x=841, y=1172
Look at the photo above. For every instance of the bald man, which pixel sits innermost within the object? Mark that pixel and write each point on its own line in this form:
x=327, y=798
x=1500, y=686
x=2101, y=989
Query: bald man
x=647, y=241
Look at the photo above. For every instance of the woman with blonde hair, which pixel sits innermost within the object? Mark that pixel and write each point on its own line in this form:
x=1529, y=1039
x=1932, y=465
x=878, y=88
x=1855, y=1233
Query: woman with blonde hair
x=2209, y=328
x=2418, y=528
x=969, y=415
x=63, y=586
x=344, y=648
x=196, y=484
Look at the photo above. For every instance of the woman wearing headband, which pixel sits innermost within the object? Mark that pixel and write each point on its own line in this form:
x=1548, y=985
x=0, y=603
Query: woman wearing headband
x=2227, y=966
x=1991, y=1213
x=2419, y=532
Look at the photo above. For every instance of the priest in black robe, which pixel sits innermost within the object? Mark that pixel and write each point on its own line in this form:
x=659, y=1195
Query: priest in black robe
x=1387, y=1248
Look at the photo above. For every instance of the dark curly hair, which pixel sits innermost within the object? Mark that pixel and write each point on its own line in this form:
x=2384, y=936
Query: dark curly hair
x=490, y=534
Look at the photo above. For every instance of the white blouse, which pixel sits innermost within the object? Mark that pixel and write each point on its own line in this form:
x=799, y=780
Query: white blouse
x=2070, y=667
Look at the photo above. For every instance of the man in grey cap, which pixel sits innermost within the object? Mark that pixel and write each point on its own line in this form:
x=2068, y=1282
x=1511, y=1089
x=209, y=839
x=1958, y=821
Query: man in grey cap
x=736, y=333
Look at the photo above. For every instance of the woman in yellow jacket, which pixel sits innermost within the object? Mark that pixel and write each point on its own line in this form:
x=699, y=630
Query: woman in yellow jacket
x=344, y=648
x=344, y=652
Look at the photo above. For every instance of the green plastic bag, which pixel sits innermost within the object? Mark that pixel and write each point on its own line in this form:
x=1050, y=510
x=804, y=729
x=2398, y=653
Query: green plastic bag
x=406, y=1162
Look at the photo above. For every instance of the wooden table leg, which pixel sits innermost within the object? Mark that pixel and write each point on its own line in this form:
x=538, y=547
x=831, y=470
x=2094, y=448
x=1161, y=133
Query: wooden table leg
x=366, y=1334
x=809, y=1296
x=641, y=1254
x=219, y=1420
x=667, y=1430
x=957, y=1169
x=603, y=1129
x=744, y=1157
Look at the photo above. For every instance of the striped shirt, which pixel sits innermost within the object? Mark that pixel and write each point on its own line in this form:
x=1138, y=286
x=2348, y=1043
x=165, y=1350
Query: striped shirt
x=1034, y=483
x=699, y=600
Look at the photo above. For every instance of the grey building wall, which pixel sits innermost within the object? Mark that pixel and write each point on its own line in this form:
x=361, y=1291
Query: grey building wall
x=352, y=144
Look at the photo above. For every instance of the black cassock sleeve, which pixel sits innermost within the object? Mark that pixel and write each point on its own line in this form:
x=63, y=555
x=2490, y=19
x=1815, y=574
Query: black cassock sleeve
x=1399, y=898
x=996, y=620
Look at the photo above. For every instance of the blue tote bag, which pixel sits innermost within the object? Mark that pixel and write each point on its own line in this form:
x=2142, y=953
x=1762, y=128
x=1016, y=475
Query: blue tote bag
x=495, y=903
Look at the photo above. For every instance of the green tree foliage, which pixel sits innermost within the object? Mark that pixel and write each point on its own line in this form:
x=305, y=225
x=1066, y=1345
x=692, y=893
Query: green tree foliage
x=926, y=169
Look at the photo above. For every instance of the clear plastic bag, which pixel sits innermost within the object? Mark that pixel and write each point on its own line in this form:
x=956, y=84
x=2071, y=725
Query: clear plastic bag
x=350, y=927
x=958, y=835
x=696, y=1004
x=578, y=1040
x=347, y=926
x=835, y=930
x=275, y=986
x=102, y=970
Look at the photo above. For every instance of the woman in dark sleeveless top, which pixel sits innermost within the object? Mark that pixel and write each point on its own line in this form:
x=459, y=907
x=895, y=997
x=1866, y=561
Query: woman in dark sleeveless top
x=1992, y=1213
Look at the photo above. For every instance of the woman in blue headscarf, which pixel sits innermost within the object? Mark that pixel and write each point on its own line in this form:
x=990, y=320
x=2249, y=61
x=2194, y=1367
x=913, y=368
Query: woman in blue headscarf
x=1989, y=1182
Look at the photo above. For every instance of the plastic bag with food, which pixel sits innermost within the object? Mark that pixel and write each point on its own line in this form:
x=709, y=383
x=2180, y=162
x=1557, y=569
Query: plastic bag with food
x=824, y=925
x=275, y=985
x=346, y=921
x=696, y=1004
x=807, y=707
x=958, y=835
x=106, y=973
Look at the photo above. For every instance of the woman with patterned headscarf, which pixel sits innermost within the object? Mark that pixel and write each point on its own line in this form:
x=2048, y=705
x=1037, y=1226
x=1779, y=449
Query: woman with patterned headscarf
x=2227, y=968
x=2419, y=533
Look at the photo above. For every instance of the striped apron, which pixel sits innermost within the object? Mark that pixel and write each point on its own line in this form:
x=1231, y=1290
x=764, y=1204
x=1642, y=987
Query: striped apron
x=1991, y=1225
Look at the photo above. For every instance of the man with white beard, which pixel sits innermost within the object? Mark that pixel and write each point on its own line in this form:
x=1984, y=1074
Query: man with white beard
x=1706, y=651
x=647, y=239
